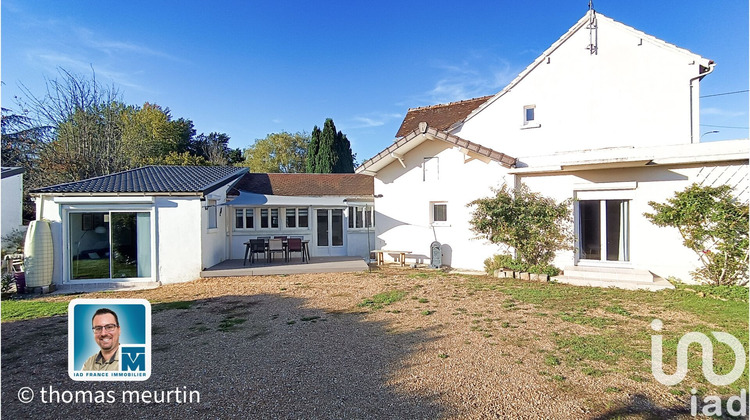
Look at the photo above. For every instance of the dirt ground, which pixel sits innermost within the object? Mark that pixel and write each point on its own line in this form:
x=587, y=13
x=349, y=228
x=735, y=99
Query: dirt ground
x=302, y=346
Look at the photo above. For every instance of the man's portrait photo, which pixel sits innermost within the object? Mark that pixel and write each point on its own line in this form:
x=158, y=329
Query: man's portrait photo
x=109, y=339
x=106, y=328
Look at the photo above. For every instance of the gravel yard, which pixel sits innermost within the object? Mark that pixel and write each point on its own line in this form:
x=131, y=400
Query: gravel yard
x=343, y=346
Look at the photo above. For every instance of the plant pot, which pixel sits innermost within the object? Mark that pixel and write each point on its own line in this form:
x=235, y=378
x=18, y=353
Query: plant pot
x=538, y=277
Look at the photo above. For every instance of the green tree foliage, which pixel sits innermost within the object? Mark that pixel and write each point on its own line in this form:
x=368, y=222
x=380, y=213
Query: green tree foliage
x=81, y=129
x=278, y=152
x=149, y=132
x=329, y=151
x=312, y=150
x=535, y=226
x=214, y=147
x=714, y=226
x=21, y=145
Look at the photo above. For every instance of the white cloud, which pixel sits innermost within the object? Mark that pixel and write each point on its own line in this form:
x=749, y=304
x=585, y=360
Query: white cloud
x=721, y=112
x=478, y=75
x=372, y=119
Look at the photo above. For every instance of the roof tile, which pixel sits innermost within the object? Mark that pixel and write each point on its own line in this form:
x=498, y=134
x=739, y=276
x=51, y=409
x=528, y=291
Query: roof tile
x=152, y=179
x=305, y=184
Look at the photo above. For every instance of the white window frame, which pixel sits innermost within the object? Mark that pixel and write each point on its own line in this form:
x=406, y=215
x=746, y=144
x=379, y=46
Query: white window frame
x=434, y=222
x=213, y=215
x=603, y=192
x=296, y=217
x=269, y=218
x=530, y=123
x=357, y=213
x=244, y=218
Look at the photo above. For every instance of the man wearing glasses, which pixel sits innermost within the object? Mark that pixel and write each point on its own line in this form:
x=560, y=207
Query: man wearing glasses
x=106, y=329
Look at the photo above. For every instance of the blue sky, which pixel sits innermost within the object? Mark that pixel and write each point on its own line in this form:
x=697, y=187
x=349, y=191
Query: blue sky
x=251, y=68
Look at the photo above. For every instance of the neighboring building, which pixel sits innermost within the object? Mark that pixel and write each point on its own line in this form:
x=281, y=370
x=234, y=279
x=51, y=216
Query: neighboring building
x=12, y=200
x=607, y=116
x=168, y=223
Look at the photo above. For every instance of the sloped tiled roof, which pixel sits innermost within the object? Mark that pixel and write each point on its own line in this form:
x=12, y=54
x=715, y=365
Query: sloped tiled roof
x=152, y=179
x=418, y=135
x=441, y=117
x=305, y=184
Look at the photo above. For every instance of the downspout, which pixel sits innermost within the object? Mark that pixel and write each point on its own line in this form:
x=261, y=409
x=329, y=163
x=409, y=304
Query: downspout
x=711, y=66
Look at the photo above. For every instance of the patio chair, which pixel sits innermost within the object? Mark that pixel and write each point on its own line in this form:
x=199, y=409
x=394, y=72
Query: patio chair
x=294, y=245
x=257, y=246
x=275, y=246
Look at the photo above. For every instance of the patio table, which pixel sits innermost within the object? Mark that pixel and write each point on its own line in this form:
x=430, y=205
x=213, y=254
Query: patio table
x=305, y=249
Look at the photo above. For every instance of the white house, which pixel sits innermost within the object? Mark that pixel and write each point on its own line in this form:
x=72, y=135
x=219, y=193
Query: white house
x=334, y=212
x=152, y=224
x=168, y=223
x=607, y=115
x=12, y=200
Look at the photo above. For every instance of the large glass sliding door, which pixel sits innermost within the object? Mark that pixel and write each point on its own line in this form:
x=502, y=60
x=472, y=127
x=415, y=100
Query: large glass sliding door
x=603, y=230
x=109, y=245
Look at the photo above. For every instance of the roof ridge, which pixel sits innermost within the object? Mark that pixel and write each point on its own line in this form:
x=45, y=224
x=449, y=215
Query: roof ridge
x=450, y=103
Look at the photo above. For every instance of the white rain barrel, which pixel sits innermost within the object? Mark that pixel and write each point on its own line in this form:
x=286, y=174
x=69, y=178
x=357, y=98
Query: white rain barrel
x=37, y=254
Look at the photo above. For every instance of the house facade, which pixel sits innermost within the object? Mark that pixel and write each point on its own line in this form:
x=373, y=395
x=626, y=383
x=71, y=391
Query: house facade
x=152, y=224
x=332, y=212
x=168, y=223
x=607, y=116
x=12, y=199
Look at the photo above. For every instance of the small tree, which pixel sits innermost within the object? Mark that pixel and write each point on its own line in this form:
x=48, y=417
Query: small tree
x=714, y=226
x=535, y=226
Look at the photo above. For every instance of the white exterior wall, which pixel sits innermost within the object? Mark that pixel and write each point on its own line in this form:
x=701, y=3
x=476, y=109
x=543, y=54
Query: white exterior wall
x=402, y=219
x=12, y=201
x=355, y=240
x=179, y=228
x=653, y=248
x=214, y=242
x=634, y=92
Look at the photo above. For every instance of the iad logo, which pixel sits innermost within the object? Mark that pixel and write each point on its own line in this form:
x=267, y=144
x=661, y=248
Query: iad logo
x=707, y=349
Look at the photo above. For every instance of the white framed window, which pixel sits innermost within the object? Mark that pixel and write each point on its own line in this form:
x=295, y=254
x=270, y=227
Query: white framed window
x=269, y=218
x=244, y=219
x=430, y=169
x=361, y=217
x=297, y=217
x=530, y=119
x=212, y=224
x=439, y=213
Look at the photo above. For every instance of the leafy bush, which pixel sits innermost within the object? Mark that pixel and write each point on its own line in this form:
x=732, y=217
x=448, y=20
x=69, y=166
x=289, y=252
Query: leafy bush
x=501, y=261
x=714, y=226
x=535, y=226
x=7, y=282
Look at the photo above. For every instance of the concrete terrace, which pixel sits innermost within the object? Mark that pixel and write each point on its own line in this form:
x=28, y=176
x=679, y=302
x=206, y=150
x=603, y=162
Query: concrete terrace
x=234, y=268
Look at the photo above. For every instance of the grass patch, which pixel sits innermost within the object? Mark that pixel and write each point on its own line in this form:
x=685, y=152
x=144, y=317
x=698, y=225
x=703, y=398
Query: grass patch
x=18, y=310
x=231, y=323
x=551, y=360
x=427, y=312
x=443, y=356
x=616, y=309
x=165, y=306
x=423, y=300
x=382, y=299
